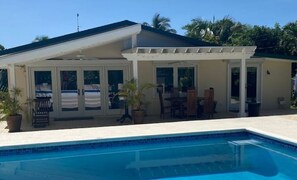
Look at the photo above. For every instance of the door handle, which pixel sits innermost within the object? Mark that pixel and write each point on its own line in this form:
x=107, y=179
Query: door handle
x=83, y=92
x=78, y=92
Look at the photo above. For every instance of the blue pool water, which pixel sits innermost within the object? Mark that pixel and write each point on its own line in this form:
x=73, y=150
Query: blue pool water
x=237, y=155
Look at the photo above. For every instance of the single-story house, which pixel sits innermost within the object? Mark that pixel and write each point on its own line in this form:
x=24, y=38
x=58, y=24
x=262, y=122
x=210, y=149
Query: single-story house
x=82, y=71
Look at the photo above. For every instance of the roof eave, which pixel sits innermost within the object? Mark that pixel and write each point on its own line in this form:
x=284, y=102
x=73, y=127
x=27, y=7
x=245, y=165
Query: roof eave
x=70, y=46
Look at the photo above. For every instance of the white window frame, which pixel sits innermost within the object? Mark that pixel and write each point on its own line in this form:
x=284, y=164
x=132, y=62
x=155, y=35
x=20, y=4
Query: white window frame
x=175, y=67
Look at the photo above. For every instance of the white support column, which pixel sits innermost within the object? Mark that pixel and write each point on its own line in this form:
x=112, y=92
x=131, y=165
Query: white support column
x=134, y=41
x=134, y=62
x=135, y=69
x=242, y=87
x=11, y=75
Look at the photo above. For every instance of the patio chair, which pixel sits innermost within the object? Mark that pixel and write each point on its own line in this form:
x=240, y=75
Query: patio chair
x=40, y=112
x=175, y=92
x=164, y=109
x=208, y=106
x=192, y=103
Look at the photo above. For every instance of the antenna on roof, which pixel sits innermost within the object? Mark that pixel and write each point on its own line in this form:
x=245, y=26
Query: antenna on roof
x=77, y=15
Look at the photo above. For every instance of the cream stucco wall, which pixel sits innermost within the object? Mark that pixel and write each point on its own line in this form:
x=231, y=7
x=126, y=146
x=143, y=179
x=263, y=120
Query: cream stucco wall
x=112, y=50
x=21, y=82
x=214, y=74
x=276, y=84
x=146, y=75
x=209, y=74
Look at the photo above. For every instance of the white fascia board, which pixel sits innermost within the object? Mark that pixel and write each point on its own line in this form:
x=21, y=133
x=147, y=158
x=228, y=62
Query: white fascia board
x=186, y=56
x=70, y=46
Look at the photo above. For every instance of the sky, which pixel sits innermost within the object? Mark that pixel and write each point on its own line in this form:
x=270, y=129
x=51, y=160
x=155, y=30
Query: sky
x=23, y=20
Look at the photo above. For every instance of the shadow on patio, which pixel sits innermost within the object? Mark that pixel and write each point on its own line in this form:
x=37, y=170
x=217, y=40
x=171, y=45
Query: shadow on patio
x=112, y=121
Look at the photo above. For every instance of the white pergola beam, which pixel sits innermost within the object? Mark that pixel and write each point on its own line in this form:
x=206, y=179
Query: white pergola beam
x=184, y=56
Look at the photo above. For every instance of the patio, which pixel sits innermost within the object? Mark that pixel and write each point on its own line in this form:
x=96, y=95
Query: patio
x=280, y=126
x=106, y=121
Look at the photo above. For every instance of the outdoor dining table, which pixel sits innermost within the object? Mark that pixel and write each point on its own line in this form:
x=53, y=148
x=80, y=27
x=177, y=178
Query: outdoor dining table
x=181, y=102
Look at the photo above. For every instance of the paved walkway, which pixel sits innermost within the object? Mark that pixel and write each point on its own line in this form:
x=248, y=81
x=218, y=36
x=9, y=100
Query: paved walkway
x=283, y=127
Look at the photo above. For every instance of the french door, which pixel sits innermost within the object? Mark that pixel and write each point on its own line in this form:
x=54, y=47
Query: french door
x=79, y=91
x=253, y=85
x=90, y=91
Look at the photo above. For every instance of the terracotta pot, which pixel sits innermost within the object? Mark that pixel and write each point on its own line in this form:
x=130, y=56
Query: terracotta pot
x=14, y=123
x=138, y=116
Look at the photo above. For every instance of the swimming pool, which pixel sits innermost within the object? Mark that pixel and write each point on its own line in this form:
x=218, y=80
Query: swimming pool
x=218, y=155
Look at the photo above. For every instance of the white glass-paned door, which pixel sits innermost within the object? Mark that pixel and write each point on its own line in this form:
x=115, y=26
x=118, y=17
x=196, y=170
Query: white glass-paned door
x=69, y=91
x=252, y=86
x=92, y=91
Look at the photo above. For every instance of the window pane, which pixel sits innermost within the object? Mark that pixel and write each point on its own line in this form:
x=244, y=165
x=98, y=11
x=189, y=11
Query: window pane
x=115, y=78
x=43, y=85
x=185, y=78
x=165, y=77
x=251, y=83
x=70, y=93
x=92, y=93
x=3, y=80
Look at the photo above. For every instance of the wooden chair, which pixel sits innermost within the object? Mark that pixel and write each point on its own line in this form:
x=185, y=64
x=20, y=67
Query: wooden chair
x=175, y=92
x=208, y=108
x=40, y=112
x=191, y=103
x=164, y=109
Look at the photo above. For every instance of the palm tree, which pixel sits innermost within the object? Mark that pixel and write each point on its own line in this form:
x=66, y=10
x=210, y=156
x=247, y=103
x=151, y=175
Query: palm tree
x=1, y=47
x=40, y=38
x=162, y=23
x=200, y=29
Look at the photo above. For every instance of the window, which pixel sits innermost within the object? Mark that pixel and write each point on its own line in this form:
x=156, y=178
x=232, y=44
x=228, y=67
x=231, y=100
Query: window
x=3, y=80
x=182, y=78
x=165, y=78
x=185, y=78
x=43, y=85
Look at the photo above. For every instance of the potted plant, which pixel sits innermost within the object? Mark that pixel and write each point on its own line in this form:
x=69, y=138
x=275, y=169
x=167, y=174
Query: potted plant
x=134, y=96
x=10, y=108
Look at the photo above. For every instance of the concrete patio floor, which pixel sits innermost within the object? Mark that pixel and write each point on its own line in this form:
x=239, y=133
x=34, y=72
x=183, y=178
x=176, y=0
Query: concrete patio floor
x=279, y=126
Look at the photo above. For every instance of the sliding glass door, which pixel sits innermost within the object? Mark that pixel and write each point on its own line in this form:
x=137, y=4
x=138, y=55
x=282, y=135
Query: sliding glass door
x=252, y=85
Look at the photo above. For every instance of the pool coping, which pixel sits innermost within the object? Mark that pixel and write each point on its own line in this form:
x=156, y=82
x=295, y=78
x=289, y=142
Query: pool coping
x=254, y=131
x=280, y=128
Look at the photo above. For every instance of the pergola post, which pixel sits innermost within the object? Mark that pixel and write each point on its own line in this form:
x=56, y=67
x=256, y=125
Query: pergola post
x=135, y=61
x=242, y=94
x=11, y=75
x=135, y=69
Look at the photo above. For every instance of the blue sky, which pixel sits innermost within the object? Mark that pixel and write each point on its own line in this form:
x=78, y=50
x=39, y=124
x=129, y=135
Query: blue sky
x=22, y=20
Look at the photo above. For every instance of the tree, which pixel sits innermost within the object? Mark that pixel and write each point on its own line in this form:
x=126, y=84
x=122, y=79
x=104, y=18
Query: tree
x=40, y=38
x=162, y=23
x=200, y=29
x=289, y=39
x=219, y=32
x=1, y=47
x=229, y=32
x=264, y=38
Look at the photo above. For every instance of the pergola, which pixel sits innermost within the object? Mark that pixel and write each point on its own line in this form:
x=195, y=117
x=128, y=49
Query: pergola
x=241, y=53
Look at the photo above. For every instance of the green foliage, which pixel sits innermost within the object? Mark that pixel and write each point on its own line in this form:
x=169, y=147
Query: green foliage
x=134, y=94
x=289, y=38
x=274, y=40
x=1, y=47
x=40, y=38
x=198, y=28
x=9, y=102
x=162, y=23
